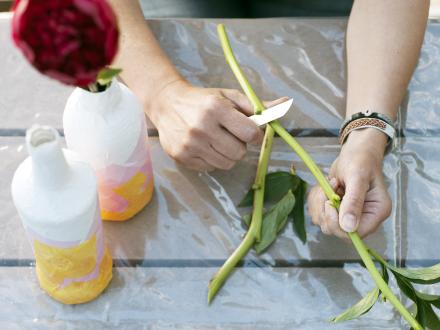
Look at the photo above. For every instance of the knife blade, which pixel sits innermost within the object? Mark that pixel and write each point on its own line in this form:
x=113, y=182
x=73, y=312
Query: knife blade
x=272, y=113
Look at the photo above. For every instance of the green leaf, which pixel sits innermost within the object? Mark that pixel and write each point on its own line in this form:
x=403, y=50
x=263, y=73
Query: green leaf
x=430, y=298
x=274, y=220
x=106, y=75
x=282, y=224
x=299, y=222
x=385, y=277
x=248, y=199
x=362, y=307
x=426, y=316
x=247, y=219
x=277, y=185
x=428, y=275
x=406, y=287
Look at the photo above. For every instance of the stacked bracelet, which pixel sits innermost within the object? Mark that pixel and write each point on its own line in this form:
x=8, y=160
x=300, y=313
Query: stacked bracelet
x=367, y=119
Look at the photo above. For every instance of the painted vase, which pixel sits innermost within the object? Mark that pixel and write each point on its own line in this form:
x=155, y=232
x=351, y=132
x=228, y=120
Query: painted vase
x=108, y=130
x=56, y=196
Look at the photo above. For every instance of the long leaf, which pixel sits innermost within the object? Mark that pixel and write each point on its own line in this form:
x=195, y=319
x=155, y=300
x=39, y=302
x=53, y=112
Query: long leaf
x=430, y=298
x=299, y=222
x=362, y=307
x=428, y=275
x=274, y=220
x=406, y=287
x=426, y=315
x=385, y=277
x=277, y=185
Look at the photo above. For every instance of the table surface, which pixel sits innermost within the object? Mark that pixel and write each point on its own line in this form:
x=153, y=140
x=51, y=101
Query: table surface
x=165, y=256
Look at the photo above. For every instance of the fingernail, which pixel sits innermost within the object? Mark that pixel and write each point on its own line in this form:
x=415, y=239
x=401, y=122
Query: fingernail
x=349, y=223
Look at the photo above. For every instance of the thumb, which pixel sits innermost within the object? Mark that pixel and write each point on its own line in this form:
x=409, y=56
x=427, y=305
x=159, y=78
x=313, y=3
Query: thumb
x=273, y=103
x=352, y=203
x=240, y=101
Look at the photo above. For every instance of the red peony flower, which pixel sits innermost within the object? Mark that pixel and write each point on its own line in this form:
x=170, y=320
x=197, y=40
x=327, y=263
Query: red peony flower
x=68, y=40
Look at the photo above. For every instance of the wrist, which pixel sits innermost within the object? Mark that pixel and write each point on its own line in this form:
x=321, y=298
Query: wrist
x=367, y=140
x=165, y=92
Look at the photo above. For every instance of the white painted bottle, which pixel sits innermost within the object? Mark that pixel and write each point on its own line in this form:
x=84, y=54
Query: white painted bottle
x=56, y=197
x=108, y=130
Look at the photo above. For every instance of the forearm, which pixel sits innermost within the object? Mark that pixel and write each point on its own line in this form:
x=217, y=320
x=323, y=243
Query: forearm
x=383, y=44
x=146, y=67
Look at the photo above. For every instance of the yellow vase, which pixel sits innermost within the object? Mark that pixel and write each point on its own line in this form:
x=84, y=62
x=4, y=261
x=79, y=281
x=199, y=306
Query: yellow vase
x=56, y=196
x=76, y=274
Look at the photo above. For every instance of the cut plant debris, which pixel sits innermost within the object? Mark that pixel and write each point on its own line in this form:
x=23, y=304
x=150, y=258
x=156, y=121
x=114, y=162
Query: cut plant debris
x=286, y=192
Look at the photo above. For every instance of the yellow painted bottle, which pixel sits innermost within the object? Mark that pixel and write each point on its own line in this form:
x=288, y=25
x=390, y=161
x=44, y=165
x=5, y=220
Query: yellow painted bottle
x=55, y=194
x=108, y=130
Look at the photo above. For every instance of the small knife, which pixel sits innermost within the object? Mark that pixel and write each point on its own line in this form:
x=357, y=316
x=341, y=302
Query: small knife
x=272, y=113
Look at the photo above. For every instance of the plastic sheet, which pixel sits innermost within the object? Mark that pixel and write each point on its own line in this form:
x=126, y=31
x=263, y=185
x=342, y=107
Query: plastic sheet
x=165, y=256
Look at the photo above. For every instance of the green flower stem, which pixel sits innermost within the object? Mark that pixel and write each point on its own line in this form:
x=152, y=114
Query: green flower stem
x=258, y=108
x=364, y=252
x=259, y=183
x=323, y=182
x=361, y=248
x=254, y=232
x=244, y=83
x=255, y=226
x=377, y=257
x=223, y=273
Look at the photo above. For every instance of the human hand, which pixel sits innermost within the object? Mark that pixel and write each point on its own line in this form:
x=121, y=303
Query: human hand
x=204, y=128
x=356, y=175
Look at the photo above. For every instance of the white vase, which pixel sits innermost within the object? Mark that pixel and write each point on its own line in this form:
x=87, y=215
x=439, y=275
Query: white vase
x=56, y=197
x=108, y=130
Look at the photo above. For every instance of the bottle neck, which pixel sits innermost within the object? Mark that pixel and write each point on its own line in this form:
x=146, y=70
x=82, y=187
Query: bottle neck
x=100, y=102
x=49, y=166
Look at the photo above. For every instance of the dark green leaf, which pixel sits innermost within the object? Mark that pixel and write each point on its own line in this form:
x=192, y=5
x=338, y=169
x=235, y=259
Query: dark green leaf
x=362, y=307
x=385, y=277
x=406, y=287
x=277, y=185
x=430, y=298
x=428, y=275
x=426, y=316
x=299, y=222
x=274, y=220
x=248, y=199
x=106, y=75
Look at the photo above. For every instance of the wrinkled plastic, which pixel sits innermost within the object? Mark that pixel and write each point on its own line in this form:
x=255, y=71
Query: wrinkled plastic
x=300, y=58
x=166, y=255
